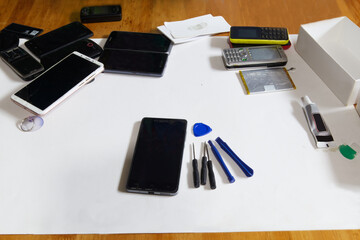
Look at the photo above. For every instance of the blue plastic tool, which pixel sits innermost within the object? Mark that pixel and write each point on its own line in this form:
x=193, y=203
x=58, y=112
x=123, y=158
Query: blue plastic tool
x=201, y=129
x=245, y=168
x=221, y=161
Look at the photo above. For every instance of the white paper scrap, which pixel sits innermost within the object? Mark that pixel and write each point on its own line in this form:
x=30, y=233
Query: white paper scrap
x=193, y=27
x=167, y=33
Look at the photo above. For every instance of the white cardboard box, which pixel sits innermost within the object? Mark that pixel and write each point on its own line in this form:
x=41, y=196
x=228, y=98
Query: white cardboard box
x=332, y=49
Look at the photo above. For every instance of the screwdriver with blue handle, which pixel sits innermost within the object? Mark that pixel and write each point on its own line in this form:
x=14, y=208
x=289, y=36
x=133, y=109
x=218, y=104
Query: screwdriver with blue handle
x=195, y=169
x=221, y=161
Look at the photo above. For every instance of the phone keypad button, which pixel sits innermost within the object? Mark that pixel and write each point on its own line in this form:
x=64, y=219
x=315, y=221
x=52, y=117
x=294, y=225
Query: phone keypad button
x=236, y=55
x=274, y=33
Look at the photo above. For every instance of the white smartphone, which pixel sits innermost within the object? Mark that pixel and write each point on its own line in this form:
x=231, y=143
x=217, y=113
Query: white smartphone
x=57, y=83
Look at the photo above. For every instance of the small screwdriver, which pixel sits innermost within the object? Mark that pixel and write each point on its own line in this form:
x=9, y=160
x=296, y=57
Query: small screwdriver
x=195, y=169
x=211, y=170
x=203, y=168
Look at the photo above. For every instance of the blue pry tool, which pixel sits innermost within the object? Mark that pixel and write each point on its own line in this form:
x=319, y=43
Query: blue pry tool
x=245, y=168
x=221, y=161
x=201, y=129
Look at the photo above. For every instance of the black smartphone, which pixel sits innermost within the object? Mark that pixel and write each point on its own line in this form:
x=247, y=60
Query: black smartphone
x=23, y=31
x=22, y=63
x=134, y=62
x=106, y=13
x=157, y=159
x=58, y=38
x=151, y=42
x=85, y=46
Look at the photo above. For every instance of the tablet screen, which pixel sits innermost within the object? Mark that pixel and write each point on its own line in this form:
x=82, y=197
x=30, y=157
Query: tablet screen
x=134, y=62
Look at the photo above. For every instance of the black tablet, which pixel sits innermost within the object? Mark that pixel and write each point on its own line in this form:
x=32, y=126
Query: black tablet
x=149, y=42
x=134, y=62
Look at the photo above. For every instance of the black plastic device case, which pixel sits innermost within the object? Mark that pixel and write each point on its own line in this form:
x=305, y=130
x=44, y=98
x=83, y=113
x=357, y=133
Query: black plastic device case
x=23, y=31
x=107, y=13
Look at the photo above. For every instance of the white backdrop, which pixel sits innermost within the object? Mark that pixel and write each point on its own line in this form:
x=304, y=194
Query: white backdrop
x=70, y=176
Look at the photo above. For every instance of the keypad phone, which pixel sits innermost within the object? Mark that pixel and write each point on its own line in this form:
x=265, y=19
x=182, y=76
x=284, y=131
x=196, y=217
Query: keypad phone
x=259, y=35
x=23, y=64
x=269, y=55
x=107, y=13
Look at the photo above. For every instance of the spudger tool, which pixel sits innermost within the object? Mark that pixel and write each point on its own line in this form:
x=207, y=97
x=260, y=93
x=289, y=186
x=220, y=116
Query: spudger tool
x=195, y=169
x=221, y=161
x=203, y=173
x=245, y=168
x=211, y=170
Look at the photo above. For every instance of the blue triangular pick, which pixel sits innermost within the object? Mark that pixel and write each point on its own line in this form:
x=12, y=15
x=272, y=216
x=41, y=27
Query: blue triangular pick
x=201, y=129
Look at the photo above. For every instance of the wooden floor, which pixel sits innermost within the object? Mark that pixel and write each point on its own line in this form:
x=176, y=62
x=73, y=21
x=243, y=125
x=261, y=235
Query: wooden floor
x=145, y=16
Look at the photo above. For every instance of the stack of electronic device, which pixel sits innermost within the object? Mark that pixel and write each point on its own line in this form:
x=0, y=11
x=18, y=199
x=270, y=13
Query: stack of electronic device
x=53, y=46
x=256, y=46
x=66, y=54
x=50, y=48
x=255, y=51
x=136, y=53
x=17, y=58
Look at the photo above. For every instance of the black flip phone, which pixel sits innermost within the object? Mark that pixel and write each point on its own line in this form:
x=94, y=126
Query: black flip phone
x=85, y=46
x=58, y=38
x=157, y=159
x=23, y=31
x=23, y=64
x=107, y=13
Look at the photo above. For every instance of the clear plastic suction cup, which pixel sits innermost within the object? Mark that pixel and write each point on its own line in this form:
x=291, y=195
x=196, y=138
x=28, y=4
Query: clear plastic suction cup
x=31, y=123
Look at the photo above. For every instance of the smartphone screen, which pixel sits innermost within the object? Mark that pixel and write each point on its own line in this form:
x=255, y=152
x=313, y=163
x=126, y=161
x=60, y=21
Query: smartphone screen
x=58, y=38
x=157, y=159
x=134, y=62
x=151, y=42
x=56, y=83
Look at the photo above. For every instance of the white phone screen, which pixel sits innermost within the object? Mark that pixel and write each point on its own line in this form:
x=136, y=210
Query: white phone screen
x=57, y=81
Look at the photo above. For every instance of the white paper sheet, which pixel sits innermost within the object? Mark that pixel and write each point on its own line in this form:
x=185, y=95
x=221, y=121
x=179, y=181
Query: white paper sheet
x=198, y=26
x=69, y=176
x=167, y=33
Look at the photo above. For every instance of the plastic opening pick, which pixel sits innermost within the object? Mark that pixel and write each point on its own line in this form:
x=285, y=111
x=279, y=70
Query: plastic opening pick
x=201, y=129
x=349, y=152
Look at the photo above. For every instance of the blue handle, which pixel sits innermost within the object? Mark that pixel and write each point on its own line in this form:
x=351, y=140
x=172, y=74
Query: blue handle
x=221, y=161
x=245, y=168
